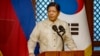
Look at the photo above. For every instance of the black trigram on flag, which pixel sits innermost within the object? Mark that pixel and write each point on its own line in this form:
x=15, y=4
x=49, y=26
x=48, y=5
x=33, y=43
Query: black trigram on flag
x=74, y=27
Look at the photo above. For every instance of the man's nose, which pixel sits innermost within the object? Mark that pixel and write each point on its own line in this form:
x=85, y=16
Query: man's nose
x=51, y=13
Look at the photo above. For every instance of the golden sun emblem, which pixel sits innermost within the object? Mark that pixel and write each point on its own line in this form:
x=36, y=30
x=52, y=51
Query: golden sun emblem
x=1, y=53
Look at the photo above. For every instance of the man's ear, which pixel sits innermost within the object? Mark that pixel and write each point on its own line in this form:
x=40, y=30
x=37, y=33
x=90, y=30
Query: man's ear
x=58, y=13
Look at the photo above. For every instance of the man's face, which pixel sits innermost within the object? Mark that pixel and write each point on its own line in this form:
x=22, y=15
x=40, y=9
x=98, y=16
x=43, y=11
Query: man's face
x=52, y=13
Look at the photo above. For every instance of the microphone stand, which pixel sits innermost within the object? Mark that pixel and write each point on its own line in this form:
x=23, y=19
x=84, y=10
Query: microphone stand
x=62, y=40
x=54, y=27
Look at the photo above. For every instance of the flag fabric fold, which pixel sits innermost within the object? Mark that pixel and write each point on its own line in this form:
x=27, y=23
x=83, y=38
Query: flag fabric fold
x=17, y=20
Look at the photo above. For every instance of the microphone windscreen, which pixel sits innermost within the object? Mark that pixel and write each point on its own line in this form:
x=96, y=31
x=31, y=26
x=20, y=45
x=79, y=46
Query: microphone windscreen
x=54, y=27
x=61, y=28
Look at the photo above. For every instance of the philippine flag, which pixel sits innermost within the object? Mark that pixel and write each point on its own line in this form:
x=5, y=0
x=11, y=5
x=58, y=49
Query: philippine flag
x=73, y=11
x=16, y=23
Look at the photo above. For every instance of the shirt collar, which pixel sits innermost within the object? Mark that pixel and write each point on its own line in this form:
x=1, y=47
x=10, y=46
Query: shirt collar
x=52, y=23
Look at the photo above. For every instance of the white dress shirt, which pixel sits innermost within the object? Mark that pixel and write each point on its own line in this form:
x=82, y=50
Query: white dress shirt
x=48, y=39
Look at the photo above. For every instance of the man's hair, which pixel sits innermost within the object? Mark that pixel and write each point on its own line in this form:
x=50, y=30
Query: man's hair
x=55, y=5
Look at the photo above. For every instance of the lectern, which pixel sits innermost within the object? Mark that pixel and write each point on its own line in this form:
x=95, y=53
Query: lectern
x=62, y=53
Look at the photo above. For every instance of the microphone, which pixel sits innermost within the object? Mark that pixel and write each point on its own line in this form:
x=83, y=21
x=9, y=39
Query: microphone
x=54, y=27
x=62, y=29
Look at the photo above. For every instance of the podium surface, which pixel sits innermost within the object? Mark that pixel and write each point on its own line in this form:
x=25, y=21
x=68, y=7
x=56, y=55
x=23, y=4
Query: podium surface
x=62, y=53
